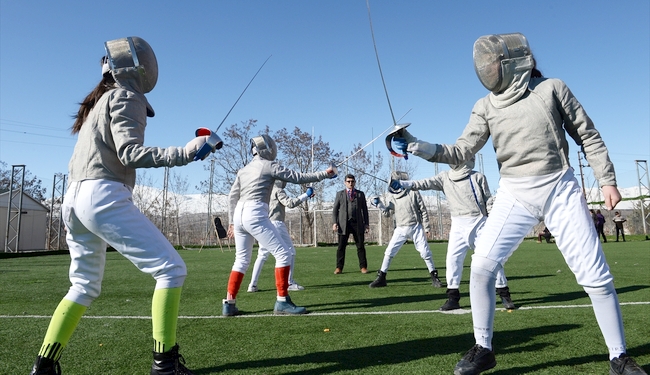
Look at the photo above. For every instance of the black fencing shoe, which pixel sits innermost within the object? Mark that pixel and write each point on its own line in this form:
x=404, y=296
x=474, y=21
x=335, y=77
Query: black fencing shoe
x=624, y=365
x=475, y=361
x=169, y=363
x=453, y=296
x=45, y=366
x=435, y=280
x=506, y=300
x=380, y=281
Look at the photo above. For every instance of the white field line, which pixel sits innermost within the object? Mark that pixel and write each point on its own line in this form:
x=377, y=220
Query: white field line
x=452, y=312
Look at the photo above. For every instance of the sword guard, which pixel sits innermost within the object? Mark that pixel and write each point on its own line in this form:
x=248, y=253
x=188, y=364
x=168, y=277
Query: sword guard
x=389, y=140
x=213, y=143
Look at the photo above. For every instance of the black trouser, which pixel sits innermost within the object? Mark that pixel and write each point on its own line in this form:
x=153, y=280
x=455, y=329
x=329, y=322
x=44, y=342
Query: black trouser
x=621, y=231
x=357, y=234
x=601, y=231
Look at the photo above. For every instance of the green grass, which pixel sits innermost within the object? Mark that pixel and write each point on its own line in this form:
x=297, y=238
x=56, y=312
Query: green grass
x=545, y=336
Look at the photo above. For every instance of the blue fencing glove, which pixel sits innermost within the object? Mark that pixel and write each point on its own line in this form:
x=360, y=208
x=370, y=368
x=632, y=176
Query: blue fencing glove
x=395, y=187
x=401, y=145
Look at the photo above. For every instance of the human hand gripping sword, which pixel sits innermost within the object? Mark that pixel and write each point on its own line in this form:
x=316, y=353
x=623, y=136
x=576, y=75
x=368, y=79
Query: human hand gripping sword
x=214, y=142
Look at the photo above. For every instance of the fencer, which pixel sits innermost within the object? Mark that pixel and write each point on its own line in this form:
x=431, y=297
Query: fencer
x=277, y=213
x=248, y=210
x=98, y=207
x=411, y=222
x=469, y=198
x=528, y=117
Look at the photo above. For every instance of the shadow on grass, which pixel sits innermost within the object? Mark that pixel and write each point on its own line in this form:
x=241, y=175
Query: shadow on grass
x=576, y=361
x=567, y=297
x=402, y=352
x=378, y=302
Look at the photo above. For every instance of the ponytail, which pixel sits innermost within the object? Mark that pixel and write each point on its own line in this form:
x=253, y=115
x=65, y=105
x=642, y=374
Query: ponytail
x=89, y=102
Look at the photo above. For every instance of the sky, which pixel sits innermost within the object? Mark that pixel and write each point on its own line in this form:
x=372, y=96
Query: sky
x=322, y=76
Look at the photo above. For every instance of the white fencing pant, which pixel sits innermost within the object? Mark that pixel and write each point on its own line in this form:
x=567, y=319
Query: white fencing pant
x=462, y=236
x=566, y=215
x=263, y=253
x=251, y=222
x=97, y=212
x=400, y=236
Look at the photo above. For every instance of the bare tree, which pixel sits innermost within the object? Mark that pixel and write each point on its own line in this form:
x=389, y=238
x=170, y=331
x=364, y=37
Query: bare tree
x=234, y=155
x=298, y=151
x=147, y=198
x=178, y=187
x=32, y=185
x=368, y=171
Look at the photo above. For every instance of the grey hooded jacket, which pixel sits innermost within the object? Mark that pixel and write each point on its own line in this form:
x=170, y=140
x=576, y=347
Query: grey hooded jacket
x=467, y=197
x=255, y=181
x=529, y=136
x=409, y=209
x=110, y=144
x=279, y=202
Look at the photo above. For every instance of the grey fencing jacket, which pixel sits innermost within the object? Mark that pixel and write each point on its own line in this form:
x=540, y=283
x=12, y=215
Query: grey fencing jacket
x=255, y=181
x=408, y=208
x=279, y=201
x=529, y=136
x=467, y=197
x=110, y=144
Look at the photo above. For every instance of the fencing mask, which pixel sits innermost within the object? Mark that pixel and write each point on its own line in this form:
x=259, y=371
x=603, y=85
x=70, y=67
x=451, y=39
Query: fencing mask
x=133, y=53
x=498, y=57
x=264, y=146
x=399, y=175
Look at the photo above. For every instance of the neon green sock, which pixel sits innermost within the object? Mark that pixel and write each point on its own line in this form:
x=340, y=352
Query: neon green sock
x=164, y=315
x=65, y=319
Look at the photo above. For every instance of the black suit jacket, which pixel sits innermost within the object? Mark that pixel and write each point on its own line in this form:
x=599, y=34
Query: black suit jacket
x=340, y=211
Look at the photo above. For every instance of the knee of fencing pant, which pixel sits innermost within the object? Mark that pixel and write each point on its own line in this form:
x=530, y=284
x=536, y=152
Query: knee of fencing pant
x=171, y=277
x=170, y=281
x=600, y=290
x=282, y=259
x=82, y=296
x=482, y=263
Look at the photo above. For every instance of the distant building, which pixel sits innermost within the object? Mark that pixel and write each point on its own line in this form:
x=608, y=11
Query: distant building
x=33, y=224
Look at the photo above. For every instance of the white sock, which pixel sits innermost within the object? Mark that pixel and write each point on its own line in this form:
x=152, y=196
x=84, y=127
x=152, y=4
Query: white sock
x=608, y=315
x=282, y=299
x=483, y=299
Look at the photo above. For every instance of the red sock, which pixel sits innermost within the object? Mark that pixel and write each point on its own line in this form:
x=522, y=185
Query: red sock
x=282, y=280
x=234, y=282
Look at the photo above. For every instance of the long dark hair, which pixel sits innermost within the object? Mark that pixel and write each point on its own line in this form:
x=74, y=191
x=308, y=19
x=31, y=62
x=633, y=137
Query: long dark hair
x=89, y=102
x=535, y=73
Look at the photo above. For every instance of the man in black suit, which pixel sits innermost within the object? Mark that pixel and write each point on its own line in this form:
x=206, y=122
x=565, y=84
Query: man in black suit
x=350, y=215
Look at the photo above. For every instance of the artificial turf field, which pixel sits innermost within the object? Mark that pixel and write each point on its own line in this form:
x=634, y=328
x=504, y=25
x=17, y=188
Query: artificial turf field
x=351, y=329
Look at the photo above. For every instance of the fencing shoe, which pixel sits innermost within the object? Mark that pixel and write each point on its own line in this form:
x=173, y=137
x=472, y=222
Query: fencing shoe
x=506, y=300
x=475, y=361
x=435, y=280
x=169, y=363
x=229, y=309
x=288, y=308
x=45, y=366
x=624, y=365
x=380, y=281
x=453, y=296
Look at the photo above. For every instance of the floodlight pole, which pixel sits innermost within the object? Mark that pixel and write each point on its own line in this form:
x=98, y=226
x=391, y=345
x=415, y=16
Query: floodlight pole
x=643, y=164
